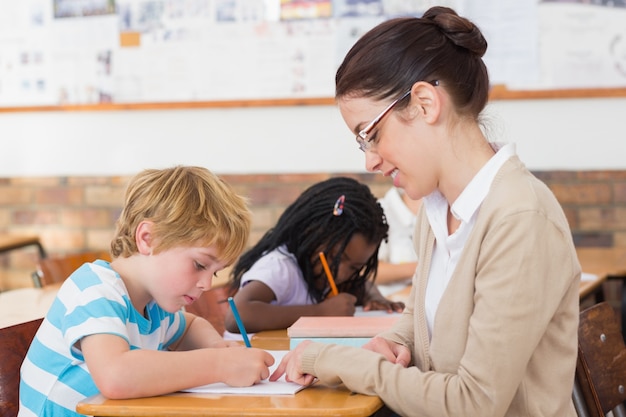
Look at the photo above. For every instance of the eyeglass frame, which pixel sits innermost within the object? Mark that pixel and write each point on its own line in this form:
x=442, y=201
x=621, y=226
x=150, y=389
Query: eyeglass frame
x=361, y=138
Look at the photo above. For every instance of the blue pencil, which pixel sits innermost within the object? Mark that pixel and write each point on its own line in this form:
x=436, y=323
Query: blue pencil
x=242, y=329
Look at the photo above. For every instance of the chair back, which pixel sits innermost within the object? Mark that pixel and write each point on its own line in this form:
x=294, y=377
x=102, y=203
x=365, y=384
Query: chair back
x=56, y=269
x=212, y=306
x=601, y=366
x=14, y=343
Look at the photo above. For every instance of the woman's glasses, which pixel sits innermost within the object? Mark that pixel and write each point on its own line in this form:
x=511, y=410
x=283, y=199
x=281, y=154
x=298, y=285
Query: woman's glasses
x=365, y=144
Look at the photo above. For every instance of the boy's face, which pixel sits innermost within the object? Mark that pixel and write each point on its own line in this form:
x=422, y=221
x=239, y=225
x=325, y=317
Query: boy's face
x=353, y=259
x=178, y=276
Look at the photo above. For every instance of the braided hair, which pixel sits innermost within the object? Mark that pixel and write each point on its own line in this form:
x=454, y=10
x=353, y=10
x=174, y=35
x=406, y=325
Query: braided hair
x=316, y=222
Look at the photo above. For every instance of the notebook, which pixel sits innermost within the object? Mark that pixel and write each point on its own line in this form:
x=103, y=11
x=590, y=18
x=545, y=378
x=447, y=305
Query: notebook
x=265, y=387
x=345, y=341
x=341, y=326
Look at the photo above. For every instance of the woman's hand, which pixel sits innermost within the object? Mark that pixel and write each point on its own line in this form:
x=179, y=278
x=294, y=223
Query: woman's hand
x=393, y=352
x=291, y=367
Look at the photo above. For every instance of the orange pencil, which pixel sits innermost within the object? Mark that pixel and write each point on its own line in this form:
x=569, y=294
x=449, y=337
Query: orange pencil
x=329, y=275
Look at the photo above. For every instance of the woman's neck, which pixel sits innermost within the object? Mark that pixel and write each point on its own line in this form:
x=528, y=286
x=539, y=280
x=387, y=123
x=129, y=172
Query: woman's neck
x=413, y=205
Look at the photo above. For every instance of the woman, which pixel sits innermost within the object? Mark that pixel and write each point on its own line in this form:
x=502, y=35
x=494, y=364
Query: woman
x=491, y=325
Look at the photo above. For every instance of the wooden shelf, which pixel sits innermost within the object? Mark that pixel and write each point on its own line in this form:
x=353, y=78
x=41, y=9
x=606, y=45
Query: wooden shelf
x=498, y=92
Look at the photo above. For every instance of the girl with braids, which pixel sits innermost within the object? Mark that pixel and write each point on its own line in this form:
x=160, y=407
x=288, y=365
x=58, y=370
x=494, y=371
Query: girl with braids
x=282, y=278
x=490, y=328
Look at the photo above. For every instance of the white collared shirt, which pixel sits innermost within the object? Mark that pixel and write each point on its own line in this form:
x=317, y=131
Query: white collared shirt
x=448, y=249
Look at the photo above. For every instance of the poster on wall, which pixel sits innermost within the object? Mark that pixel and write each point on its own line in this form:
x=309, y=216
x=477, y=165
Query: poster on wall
x=82, y=8
x=73, y=52
x=581, y=40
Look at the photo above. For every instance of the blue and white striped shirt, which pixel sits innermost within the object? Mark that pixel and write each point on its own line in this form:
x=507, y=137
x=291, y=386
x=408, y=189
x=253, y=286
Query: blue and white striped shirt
x=93, y=300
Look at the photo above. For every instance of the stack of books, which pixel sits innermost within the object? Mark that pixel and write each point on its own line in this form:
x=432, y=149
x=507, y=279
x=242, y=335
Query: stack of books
x=351, y=331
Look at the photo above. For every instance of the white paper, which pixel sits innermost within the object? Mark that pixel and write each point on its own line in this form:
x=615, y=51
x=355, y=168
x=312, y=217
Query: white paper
x=585, y=276
x=359, y=312
x=265, y=387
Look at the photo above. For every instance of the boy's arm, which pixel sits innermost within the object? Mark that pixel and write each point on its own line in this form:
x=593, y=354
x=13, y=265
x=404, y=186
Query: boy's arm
x=199, y=333
x=119, y=372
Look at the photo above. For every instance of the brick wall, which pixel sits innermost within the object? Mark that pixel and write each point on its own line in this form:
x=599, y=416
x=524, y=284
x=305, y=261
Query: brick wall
x=594, y=203
x=71, y=214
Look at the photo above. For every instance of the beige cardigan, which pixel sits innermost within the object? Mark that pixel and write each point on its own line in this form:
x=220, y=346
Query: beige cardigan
x=505, y=334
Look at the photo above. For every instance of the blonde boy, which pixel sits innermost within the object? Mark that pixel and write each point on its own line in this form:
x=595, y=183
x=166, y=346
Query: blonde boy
x=119, y=329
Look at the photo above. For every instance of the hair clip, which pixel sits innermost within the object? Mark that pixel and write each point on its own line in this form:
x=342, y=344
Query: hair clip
x=338, y=209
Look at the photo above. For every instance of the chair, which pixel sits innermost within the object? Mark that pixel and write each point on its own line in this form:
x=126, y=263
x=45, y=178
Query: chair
x=622, y=278
x=600, y=384
x=14, y=343
x=212, y=306
x=56, y=269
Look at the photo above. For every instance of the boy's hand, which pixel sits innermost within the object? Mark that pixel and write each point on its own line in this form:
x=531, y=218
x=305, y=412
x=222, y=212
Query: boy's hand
x=248, y=366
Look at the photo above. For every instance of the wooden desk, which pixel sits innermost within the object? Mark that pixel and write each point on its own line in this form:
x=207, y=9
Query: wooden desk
x=25, y=304
x=314, y=401
x=271, y=340
x=12, y=242
x=590, y=287
x=317, y=400
x=605, y=263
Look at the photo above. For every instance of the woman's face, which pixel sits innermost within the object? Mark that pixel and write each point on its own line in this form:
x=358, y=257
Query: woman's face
x=401, y=148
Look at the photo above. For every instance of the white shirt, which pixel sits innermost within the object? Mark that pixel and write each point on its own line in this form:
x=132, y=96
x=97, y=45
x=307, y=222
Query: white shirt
x=448, y=249
x=279, y=270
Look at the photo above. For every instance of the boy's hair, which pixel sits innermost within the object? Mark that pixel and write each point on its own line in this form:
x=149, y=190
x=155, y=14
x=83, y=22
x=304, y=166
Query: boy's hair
x=189, y=207
x=310, y=225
